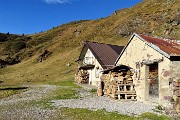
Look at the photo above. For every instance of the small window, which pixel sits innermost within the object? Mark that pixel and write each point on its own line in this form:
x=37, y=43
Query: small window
x=137, y=71
x=97, y=72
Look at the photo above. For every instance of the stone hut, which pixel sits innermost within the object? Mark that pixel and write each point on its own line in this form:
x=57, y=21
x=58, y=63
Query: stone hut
x=156, y=67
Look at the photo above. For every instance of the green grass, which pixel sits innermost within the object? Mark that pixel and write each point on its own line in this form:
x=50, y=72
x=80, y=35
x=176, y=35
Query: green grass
x=151, y=116
x=65, y=44
x=60, y=93
x=85, y=114
x=66, y=90
x=93, y=91
x=64, y=93
x=6, y=93
x=67, y=83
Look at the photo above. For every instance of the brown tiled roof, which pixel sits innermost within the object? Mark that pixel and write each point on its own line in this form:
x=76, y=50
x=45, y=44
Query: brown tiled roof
x=105, y=54
x=168, y=46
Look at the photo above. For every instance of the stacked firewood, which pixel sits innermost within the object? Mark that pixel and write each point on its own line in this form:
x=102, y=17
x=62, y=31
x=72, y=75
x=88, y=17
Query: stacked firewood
x=177, y=88
x=99, y=88
x=119, y=85
x=153, y=74
x=82, y=76
x=176, y=92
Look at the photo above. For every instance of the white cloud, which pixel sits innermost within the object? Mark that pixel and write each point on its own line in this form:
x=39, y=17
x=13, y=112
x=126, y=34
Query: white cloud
x=57, y=1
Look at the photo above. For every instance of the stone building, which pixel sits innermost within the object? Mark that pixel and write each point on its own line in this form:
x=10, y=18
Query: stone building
x=155, y=63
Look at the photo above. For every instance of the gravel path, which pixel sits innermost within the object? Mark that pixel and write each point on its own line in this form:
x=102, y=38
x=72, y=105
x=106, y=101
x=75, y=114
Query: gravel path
x=19, y=106
x=37, y=92
x=94, y=102
x=27, y=113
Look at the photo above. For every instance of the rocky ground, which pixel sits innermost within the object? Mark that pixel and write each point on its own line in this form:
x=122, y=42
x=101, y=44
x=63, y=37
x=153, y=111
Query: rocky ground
x=93, y=102
x=23, y=106
x=35, y=92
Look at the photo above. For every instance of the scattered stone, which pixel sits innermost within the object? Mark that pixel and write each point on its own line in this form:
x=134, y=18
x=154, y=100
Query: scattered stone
x=1, y=81
x=43, y=56
x=93, y=102
x=3, y=63
x=37, y=92
x=68, y=64
x=15, y=107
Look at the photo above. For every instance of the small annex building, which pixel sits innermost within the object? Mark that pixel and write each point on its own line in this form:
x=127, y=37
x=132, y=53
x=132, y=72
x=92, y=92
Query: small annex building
x=94, y=59
x=155, y=63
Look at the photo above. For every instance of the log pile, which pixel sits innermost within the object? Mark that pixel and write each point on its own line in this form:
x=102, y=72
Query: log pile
x=119, y=85
x=176, y=93
x=99, y=89
x=153, y=74
x=176, y=90
x=82, y=77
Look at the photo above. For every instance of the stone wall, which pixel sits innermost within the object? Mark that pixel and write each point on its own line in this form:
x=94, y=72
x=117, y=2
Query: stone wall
x=134, y=56
x=175, y=70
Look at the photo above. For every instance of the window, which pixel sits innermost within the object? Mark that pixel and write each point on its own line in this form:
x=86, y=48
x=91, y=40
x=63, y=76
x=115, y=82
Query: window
x=137, y=71
x=97, y=72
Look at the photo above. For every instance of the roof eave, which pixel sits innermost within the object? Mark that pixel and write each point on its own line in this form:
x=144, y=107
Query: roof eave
x=115, y=64
x=96, y=56
x=81, y=54
x=154, y=47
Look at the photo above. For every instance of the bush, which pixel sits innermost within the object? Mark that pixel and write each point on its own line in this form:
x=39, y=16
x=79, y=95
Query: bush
x=3, y=37
x=39, y=40
x=18, y=46
x=14, y=46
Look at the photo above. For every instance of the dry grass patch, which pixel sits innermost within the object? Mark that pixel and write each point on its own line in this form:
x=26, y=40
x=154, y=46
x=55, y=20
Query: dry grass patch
x=6, y=91
x=52, y=69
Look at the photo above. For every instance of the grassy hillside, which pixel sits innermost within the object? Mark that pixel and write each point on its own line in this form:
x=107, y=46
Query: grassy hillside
x=154, y=17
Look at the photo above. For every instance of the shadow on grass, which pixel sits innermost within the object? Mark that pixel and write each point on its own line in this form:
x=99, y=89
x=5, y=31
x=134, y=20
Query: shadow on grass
x=13, y=88
x=6, y=91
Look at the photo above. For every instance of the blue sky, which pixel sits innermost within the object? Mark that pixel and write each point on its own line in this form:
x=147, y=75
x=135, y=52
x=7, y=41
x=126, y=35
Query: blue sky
x=30, y=16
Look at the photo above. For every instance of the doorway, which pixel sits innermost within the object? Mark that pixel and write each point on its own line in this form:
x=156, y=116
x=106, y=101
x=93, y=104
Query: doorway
x=153, y=82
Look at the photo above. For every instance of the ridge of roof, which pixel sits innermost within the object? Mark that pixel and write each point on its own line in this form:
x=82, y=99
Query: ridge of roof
x=167, y=47
x=100, y=43
x=106, y=54
x=155, y=43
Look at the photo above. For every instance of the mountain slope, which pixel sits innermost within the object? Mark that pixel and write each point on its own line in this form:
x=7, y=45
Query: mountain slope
x=154, y=17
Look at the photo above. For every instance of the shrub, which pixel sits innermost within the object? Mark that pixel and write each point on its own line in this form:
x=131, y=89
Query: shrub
x=14, y=46
x=18, y=46
x=39, y=40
